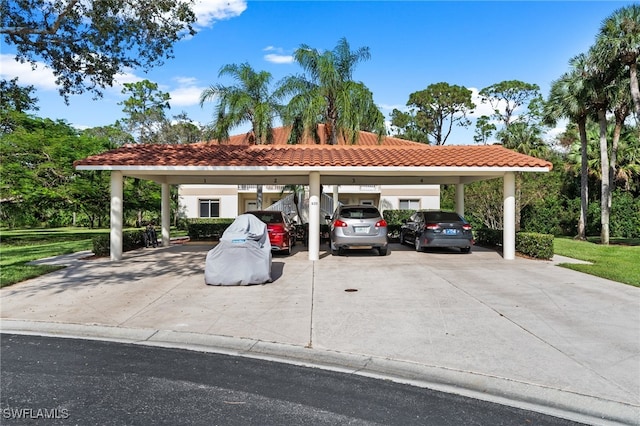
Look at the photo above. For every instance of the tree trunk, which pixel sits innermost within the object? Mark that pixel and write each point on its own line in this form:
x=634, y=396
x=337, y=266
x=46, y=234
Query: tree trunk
x=584, y=180
x=614, y=157
x=635, y=88
x=604, y=172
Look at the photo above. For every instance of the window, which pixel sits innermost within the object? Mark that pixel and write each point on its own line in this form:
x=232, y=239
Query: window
x=209, y=208
x=409, y=204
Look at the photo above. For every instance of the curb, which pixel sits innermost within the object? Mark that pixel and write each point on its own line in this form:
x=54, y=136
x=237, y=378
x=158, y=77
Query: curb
x=555, y=402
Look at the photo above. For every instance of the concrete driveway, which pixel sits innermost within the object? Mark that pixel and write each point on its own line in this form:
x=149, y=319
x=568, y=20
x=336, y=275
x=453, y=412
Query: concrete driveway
x=525, y=333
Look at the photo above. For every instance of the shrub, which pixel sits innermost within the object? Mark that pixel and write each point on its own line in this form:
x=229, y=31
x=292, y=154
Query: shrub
x=397, y=217
x=624, y=221
x=207, y=229
x=539, y=246
x=131, y=240
x=488, y=237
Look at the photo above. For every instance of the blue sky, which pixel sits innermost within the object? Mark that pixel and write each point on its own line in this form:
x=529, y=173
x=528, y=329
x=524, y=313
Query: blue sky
x=412, y=43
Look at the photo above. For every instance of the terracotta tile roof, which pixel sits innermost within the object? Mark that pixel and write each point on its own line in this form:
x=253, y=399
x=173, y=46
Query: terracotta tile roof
x=402, y=155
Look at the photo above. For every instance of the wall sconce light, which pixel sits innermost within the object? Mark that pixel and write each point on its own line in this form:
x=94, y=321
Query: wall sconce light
x=275, y=180
x=353, y=180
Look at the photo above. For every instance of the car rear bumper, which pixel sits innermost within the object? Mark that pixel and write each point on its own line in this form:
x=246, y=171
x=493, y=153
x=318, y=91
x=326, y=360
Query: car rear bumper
x=445, y=242
x=364, y=241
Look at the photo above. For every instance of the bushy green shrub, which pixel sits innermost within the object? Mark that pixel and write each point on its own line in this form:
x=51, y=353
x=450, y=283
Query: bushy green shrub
x=397, y=217
x=131, y=240
x=539, y=246
x=101, y=245
x=207, y=229
x=488, y=237
x=624, y=221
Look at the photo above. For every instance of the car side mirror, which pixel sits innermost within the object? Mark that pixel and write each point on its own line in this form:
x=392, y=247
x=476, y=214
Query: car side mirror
x=327, y=217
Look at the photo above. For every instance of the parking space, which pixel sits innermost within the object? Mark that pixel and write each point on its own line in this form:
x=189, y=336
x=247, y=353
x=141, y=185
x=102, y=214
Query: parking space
x=476, y=315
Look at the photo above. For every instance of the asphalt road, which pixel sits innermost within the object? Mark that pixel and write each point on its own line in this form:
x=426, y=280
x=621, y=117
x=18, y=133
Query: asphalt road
x=51, y=381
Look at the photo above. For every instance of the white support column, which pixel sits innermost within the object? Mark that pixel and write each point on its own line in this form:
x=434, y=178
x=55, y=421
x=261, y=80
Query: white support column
x=166, y=214
x=460, y=199
x=336, y=198
x=314, y=216
x=116, y=216
x=509, y=217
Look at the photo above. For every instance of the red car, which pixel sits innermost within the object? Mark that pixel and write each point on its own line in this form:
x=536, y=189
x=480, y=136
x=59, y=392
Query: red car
x=282, y=231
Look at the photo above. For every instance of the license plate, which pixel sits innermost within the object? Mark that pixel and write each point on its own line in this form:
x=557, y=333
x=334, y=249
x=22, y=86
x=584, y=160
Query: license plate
x=450, y=232
x=361, y=229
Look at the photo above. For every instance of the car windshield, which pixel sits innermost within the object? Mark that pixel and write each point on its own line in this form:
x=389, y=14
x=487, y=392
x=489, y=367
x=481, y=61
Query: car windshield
x=269, y=217
x=441, y=217
x=360, y=213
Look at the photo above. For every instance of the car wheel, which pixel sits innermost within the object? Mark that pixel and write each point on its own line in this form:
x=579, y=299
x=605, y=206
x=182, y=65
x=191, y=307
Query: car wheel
x=332, y=248
x=287, y=251
x=417, y=243
x=465, y=250
x=382, y=251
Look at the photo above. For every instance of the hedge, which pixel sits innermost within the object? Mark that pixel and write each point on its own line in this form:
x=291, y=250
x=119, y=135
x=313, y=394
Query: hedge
x=533, y=244
x=131, y=240
x=207, y=229
x=539, y=246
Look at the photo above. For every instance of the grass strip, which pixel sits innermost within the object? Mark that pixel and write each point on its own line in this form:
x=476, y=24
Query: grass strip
x=619, y=261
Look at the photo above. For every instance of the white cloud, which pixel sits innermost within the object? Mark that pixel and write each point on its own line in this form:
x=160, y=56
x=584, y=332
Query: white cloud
x=481, y=108
x=278, y=59
x=187, y=93
x=210, y=11
x=392, y=107
x=41, y=77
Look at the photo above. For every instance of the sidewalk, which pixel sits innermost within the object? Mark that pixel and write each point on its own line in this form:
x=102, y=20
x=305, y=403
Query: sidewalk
x=524, y=333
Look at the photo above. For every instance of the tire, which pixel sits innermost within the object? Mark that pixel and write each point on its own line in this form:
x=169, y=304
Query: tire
x=333, y=249
x=402, y=241
x=382, y=251
x=465, y=250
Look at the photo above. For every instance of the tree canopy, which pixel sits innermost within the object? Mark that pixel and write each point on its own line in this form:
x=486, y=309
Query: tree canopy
x=249, y=100
x=434, y=111
x=87, y=43
x=328, y=95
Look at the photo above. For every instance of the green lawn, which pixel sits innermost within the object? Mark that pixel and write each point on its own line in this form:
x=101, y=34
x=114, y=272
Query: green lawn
x=619, y=261
x=21, y=246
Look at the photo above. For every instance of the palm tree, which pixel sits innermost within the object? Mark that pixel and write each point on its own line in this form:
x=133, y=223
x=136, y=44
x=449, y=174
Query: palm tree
x=247, y=101
x=568, y=98
x=329, y=96
x=619, y=42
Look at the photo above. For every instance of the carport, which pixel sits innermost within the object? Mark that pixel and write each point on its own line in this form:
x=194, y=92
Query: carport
x=391, y=162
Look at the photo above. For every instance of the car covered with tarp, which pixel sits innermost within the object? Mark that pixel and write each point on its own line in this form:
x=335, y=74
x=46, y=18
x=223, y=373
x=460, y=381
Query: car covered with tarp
x=242, y=256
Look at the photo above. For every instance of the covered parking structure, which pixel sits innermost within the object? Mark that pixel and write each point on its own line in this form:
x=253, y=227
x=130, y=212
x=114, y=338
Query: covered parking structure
x=391, y=162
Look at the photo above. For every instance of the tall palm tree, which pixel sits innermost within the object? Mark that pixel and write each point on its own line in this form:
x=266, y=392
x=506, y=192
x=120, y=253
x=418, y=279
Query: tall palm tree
x=249, y=100
x=568, y=98
x=328, y=95
x=619, y=41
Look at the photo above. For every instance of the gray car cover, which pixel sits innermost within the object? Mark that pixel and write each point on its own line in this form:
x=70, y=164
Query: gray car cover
x=243, y=255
